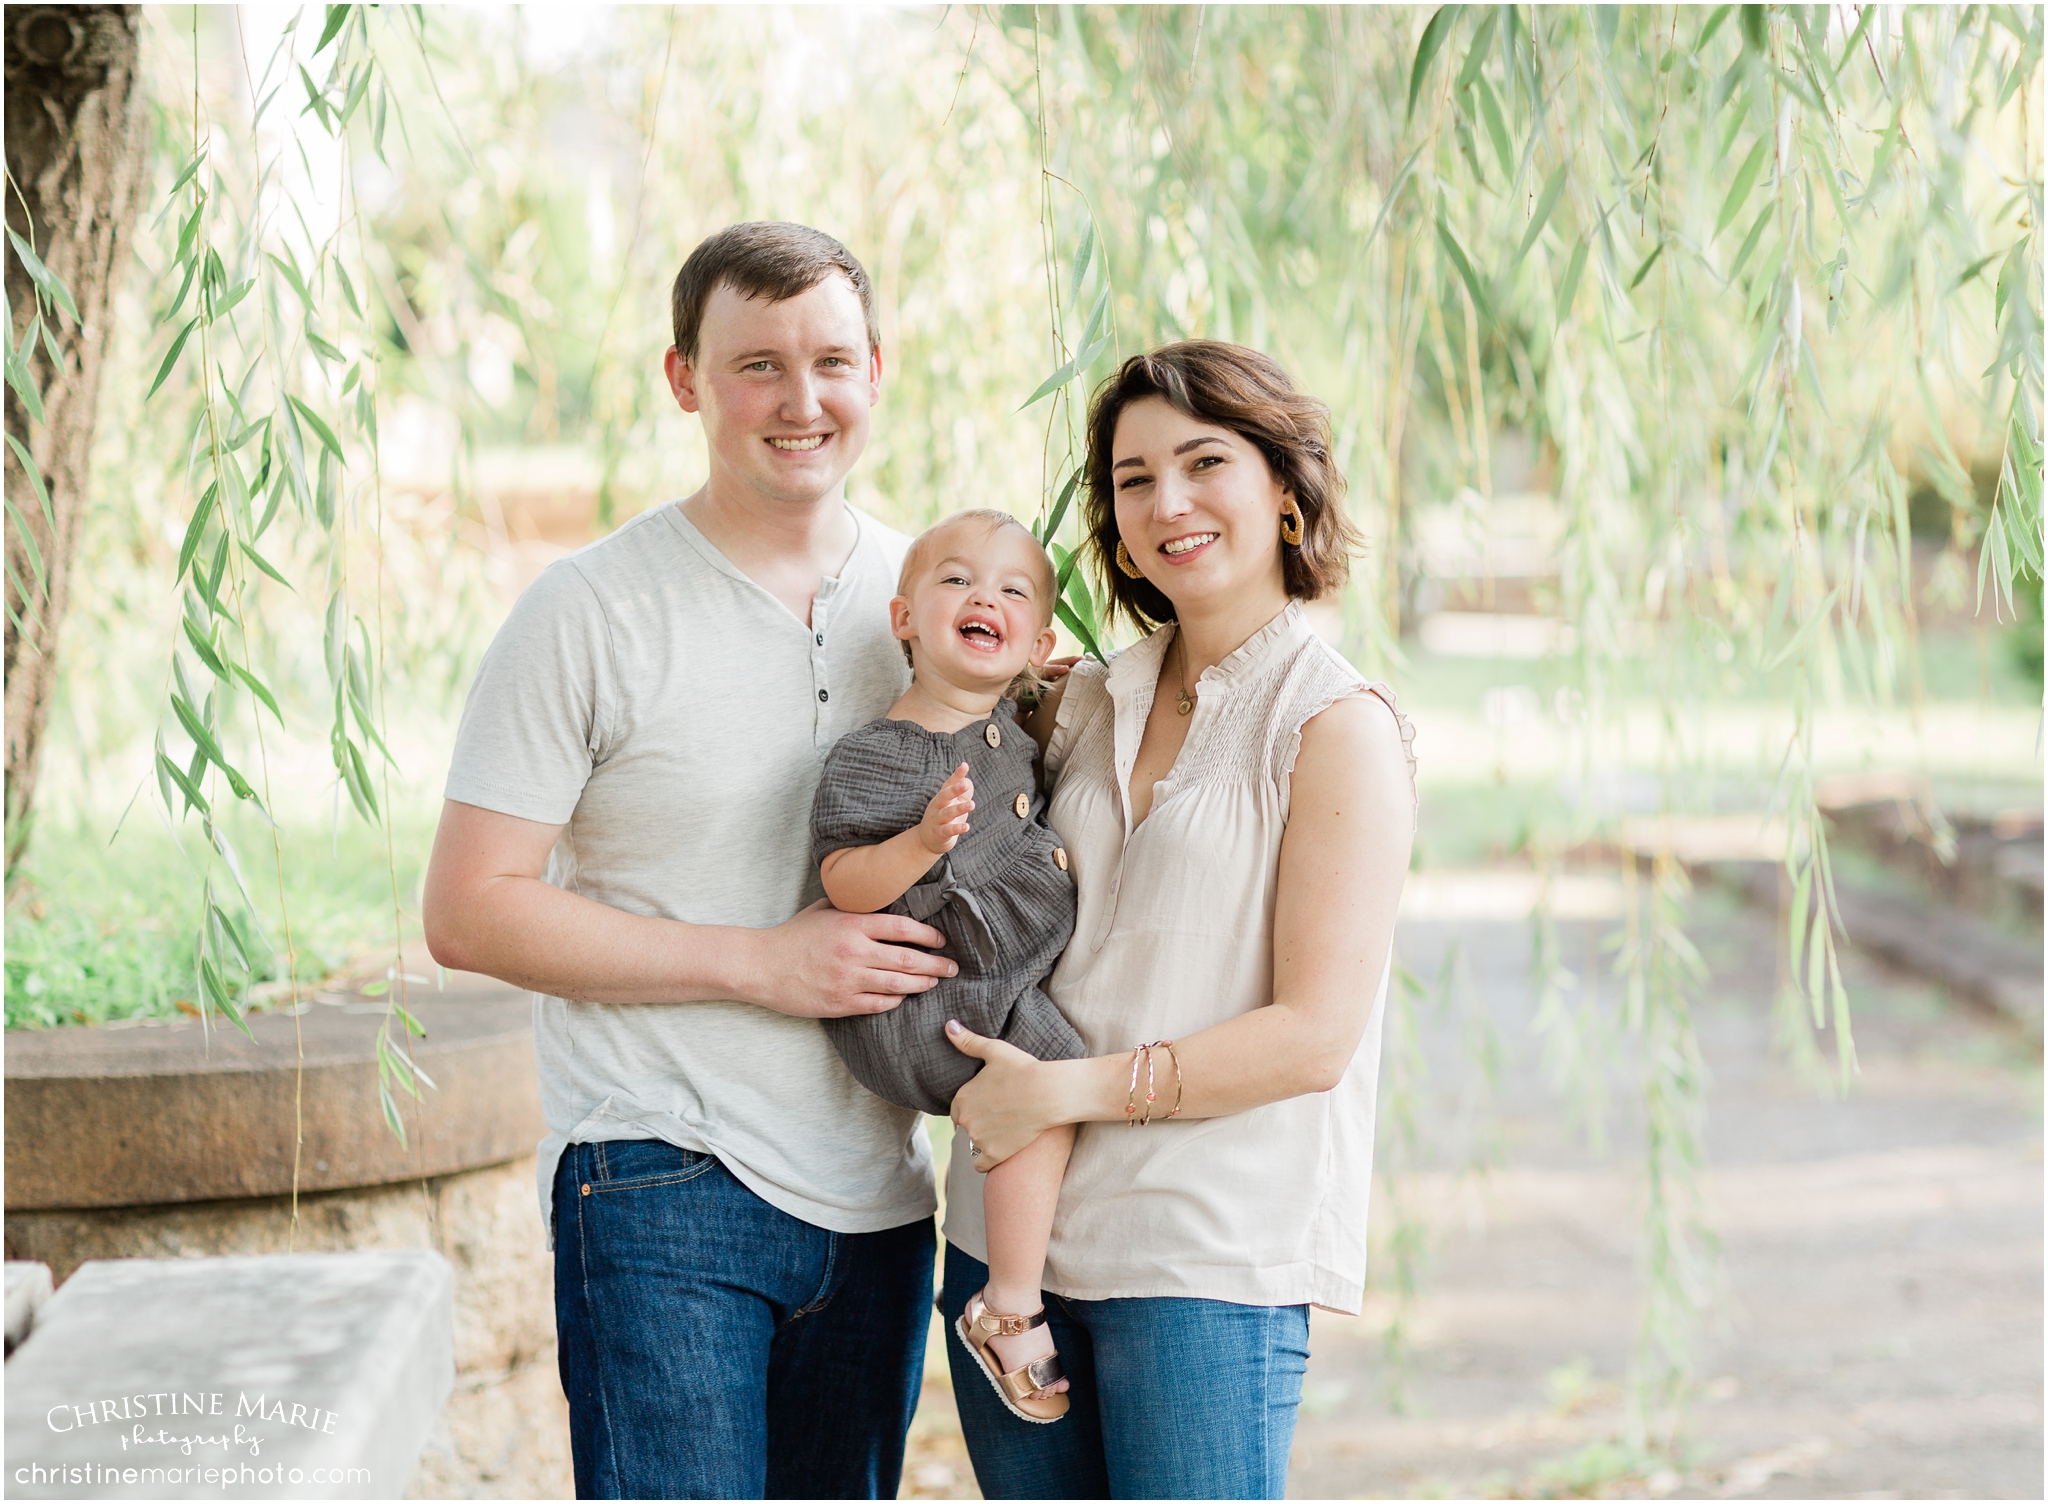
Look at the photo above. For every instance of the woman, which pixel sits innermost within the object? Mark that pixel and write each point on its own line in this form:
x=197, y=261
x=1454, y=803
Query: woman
x=1238, y=806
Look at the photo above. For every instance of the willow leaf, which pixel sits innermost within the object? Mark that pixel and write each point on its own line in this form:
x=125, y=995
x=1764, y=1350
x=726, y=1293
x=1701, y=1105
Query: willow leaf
x=195, y=531
x=47, y=282
x=222, y=999
x=1644, y=270
x=204, y=648
x=35, y=480
x=1079, y=628
x=337, y=17
x=1434, y=35
x=1059, y=508
x=186, y=786
x=24, y=386
x=1568, y=287
x=1749, y=243
x=1475, y=53
x=1496, y=127
x=1553, y=189
x=1738, y=191
x=320, y=429
x=171, y=359
x=1393, y=192
x=1470, y=278
x=1807, y=628
x=28, y=543
x=291, y=275
x=257, y=688
x=266, y=566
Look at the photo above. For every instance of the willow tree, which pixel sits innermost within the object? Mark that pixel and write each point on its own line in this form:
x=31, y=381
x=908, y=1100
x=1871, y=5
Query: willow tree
x=1736, y=273
x=75, y=169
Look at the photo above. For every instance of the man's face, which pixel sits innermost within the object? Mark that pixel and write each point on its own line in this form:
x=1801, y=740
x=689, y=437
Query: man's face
x=783, y=389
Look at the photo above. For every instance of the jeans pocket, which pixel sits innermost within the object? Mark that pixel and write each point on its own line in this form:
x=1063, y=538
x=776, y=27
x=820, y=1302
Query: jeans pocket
x=643, y=1164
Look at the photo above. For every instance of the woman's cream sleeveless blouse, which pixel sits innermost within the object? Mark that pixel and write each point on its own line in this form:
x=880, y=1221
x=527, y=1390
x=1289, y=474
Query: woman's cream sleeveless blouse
x=1174, y=934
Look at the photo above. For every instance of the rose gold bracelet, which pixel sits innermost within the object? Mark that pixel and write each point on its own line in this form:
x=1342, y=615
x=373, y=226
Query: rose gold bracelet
x=1131, y=1118
x=1179, y=1088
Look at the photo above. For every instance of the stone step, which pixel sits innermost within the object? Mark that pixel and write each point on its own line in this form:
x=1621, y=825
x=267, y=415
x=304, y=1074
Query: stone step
x=1929, y=939
x=312, y=1375
x=28, y=1286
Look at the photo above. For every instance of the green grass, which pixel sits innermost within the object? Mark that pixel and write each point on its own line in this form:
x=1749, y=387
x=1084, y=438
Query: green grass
x=97, y=933
x=1957, y=666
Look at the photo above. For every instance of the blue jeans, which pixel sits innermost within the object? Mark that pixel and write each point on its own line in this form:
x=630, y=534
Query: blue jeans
x=714, y=1347
x=1171, y=1398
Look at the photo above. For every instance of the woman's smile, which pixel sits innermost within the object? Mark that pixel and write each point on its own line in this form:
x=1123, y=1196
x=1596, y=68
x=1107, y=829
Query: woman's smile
x=1181, y=550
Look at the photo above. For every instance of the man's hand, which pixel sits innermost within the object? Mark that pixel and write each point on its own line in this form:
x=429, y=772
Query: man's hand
x=824, y=964
x=488, y=910
x=945, y=818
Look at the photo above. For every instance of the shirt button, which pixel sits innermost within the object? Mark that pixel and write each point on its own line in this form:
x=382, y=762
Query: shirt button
x=1022, y=805
x=821, y=639
x=995, y=737
x=824, y=695
x=1059, y=857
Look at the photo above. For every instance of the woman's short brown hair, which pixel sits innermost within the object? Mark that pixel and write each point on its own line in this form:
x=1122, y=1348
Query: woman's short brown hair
x=1246, y=392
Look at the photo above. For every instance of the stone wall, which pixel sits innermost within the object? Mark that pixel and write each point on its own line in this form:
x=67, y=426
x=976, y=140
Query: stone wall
x=504, y=1433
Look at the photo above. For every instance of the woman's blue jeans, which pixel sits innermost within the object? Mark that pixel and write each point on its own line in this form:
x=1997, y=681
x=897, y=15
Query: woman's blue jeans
x=714, y=1347
x=1171, y=1398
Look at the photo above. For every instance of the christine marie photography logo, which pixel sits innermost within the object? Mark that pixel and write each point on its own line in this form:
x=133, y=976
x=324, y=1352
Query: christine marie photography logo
x=158, y=1430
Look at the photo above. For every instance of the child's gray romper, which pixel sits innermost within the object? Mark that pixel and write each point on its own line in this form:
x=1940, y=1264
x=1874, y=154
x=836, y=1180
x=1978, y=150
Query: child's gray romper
x=1002, y=895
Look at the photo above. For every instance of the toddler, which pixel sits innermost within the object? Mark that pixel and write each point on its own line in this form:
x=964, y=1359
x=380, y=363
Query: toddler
x=891, y=831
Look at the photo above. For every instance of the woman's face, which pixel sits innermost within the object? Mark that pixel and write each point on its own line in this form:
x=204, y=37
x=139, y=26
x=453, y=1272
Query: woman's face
x=1197, y=505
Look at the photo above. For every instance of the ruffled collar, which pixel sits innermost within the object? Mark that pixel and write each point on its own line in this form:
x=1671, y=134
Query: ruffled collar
x=1137, y=666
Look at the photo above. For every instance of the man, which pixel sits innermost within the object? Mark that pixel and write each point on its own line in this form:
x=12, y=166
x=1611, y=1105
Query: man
x=743, y=1238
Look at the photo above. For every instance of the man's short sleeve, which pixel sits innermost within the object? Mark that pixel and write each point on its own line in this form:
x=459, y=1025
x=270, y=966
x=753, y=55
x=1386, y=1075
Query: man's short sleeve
x=539, y=712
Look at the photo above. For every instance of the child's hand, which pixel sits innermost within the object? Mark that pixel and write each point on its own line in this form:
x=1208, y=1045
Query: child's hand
x=945, y=818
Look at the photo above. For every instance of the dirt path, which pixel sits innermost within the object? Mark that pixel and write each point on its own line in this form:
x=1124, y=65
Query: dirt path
x=1878, y=1331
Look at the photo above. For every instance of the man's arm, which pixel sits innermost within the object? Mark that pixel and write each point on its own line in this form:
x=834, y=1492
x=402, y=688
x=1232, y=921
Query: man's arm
x=487, y=909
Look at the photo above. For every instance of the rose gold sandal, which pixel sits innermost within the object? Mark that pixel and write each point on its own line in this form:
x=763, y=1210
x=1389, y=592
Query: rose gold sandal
x=976, y=1325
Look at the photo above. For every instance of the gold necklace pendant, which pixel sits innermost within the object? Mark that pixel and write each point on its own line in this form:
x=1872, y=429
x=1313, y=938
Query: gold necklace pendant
x=1184, y=705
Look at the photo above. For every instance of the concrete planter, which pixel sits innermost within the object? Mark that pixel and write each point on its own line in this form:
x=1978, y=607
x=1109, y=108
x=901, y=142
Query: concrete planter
x=170, y=1142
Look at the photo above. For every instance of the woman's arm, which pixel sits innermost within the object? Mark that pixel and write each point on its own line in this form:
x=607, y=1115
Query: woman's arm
x=863, y=879
x=1342, y=863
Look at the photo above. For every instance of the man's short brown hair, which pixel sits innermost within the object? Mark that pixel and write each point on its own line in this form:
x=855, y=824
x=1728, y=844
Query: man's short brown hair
x=770, y=259
x=1248, y=393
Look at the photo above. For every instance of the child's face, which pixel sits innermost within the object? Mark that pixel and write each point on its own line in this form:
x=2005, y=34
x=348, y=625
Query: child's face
x=977, y=606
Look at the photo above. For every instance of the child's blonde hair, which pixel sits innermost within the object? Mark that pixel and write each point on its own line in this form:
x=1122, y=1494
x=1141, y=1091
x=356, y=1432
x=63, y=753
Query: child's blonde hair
x=1029, y=681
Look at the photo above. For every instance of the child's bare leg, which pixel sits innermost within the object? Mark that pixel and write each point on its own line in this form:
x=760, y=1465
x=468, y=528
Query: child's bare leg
x=1017, y=1200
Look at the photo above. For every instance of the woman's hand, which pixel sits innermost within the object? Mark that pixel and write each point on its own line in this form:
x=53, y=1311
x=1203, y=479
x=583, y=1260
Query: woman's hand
x=1007, y=1105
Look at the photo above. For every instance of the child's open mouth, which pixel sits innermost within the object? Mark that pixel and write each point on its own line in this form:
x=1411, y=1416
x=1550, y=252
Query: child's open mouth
x=981, y=634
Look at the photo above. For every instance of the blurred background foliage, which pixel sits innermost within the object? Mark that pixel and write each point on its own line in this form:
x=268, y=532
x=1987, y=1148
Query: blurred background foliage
x=1685, y=363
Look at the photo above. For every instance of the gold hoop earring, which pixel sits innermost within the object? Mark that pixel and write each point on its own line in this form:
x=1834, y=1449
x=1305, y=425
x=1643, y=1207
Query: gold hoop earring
x=1290, y=522
x=1123, y=561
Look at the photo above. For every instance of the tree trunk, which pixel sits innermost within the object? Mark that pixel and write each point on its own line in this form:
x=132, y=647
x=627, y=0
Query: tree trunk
x=75, y=151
